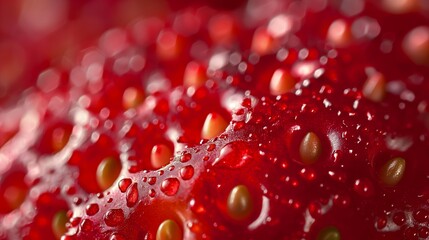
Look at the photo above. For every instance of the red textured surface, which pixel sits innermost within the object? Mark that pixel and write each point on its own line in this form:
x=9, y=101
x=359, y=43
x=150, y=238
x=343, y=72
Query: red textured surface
x=113, y=79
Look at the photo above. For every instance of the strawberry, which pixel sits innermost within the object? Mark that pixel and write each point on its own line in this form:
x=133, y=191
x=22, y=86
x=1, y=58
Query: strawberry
x=218, y=120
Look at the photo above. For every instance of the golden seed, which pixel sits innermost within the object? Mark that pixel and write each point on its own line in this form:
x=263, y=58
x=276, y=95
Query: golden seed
x=400, y=6
x=339, y=34
x=107, y=172
x=14, y=196
x=195, y=75
x=281, y=82
x=160, y=155
x=416, y=45
x=59, y=224
x=240, y=204
x=392, y=171
x=375, y=87
x=213, y=126
x=60, y=138
x=168, y=45
x=329, y=233
x=169, y=230
x=263, y=42
x=132, y=97
x=310, y=148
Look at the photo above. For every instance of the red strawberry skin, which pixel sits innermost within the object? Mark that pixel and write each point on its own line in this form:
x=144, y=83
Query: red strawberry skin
x=217, y=120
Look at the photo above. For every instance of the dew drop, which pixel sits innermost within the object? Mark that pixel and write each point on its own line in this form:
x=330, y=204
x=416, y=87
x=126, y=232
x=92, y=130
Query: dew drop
x=211, y=147
x=364, y=187
x=185, y=157
x=187, y=172
x=151, y=180
x=234, y=155
x=114, y=217
x=92, y=209
x=132, y=195
x=116, y=236
x=124, y=184
x=170, y=186
x=86, y=225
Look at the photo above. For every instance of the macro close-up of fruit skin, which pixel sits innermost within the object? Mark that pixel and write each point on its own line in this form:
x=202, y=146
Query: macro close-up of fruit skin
x=240, y=119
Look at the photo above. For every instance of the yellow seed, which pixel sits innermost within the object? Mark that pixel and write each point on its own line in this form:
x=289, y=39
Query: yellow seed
x=416, y=45
x=160, y=155
x=281, y=82
x=310, y=148
x=59, y=224
x=392, y=171
x=240, y=204
x=14, y=196
x=132, y=97
x=263, y=42
x=213, y=126
x=107, y=172
x=375, y=87
x=195, y=75
x=400, y=6
x=329, y=233
x=60, y=138
x=169, y=230
x=168, y=45
x=339, y=34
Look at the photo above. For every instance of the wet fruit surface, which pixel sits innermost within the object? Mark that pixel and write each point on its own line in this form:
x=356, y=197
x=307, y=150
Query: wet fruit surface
x=214, y=119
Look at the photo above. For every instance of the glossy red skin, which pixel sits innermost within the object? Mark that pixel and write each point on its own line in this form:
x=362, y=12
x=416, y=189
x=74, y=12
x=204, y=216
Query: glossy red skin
x=67, y=180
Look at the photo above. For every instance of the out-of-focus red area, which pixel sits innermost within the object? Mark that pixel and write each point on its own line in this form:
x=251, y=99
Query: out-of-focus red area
x=35, y=34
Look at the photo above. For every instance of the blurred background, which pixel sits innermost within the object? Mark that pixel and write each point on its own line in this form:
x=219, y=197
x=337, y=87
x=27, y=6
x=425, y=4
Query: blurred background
x=35, y=34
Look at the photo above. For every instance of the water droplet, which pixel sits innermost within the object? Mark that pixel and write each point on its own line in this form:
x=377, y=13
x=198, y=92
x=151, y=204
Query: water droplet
x=237, y=125
x=187, y=172
x=211, y=147
x=234, y=155
x=114, y=217
x=86, y=225
x=196, y=207
x=151, y=180
x=92, y=209
x=170, y=186
x=185, y=157
x=132, y=195
x=364, y=187
x=307, y=174
x=151, y=193
x=124, y=184
x=116, y=236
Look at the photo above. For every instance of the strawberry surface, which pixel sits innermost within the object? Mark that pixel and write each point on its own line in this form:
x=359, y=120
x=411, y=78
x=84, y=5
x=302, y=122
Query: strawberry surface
x=215, y=120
